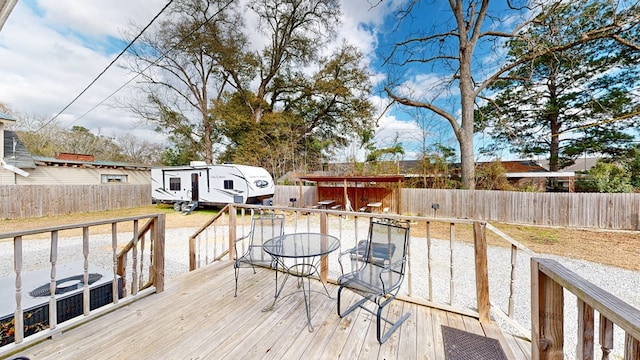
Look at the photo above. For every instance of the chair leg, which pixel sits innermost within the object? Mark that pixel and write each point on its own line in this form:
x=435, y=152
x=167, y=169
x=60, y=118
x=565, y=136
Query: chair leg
x=237, y=271
x=350, y=309
x=394, y=325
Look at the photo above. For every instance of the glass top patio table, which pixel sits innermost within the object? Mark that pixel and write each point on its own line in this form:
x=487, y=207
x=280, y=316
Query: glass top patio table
x=301, y=245
x=299, y=254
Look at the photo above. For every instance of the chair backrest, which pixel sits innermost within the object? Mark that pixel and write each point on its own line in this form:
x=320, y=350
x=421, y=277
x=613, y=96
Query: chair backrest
x=263, y=228
x=387, y=243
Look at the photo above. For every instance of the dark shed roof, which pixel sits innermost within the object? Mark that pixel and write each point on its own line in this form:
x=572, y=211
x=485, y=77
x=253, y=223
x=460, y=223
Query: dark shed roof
x=353, y=178
x=15, y=153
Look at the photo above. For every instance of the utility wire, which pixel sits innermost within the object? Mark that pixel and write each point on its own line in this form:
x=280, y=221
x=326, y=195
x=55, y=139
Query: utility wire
x=153, y=63
x=108, y=66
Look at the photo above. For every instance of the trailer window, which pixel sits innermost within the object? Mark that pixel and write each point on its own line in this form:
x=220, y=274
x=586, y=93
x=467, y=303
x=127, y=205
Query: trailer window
x=174, y=184
x=228, y=184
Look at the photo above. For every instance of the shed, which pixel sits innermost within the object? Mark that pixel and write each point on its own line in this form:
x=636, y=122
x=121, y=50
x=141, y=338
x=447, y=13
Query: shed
x=372, y=193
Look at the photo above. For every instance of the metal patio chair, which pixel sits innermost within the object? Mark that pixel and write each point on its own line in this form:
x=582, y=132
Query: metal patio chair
x=249, y=252
x=377, y=269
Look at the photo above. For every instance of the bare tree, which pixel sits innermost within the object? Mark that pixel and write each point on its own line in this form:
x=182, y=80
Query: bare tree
x=296, y=30
x=460, y=45
x=182, y=66
x=136, y=150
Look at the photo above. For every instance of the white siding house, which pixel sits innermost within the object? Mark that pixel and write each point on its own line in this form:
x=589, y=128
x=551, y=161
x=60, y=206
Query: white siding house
x=18, y=167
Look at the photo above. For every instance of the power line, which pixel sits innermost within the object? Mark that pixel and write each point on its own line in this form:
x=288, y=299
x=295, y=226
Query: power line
x=153, y=63
x=108, y=66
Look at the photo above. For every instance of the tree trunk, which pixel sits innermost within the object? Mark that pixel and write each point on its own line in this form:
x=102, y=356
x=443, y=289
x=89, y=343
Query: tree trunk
x=552, y=117
x=467, y=103
x=467, y=165
x=208, y=145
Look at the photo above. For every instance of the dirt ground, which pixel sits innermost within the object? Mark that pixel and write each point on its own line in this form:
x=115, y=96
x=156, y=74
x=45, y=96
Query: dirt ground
x=615, y=248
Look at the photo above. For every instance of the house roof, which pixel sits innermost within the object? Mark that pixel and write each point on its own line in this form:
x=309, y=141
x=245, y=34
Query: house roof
x=49, y=161
x=521, y=166
x=5, y=116
x=15, y=153
x=581, y=164
x=6, y=6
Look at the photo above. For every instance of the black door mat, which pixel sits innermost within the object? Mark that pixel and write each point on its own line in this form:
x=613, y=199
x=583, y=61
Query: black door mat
x=462, y=345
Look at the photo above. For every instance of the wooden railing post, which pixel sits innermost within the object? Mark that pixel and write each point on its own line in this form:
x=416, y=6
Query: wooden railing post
x=192, y=253
x=18, y=316
x=547, y=316
x=586, y=321
x=482, y=272
x=324, y=261
x=232, y=231
x=158, y=253
x=631, y=347
x=605, y=335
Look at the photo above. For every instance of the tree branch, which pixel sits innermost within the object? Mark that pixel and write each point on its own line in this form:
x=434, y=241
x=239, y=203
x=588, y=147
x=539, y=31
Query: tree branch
x=419, y=104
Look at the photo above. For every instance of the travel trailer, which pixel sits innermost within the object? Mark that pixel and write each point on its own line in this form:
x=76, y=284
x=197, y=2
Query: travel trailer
x=199, y=184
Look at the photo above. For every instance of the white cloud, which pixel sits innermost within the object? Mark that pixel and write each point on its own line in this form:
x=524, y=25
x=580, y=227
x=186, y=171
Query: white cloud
x=99, y=18
x=53, y=52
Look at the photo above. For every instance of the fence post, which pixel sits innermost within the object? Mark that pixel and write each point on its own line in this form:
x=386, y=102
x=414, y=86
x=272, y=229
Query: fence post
x=482, y=273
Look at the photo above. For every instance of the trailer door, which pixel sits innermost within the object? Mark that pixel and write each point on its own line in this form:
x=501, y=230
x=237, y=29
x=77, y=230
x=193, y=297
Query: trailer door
x=195, y=195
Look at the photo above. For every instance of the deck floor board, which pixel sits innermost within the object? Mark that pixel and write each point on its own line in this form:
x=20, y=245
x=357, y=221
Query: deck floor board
x=197, y=316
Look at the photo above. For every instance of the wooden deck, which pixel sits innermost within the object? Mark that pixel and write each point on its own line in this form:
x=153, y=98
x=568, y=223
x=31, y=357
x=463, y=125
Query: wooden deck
x=197, y=317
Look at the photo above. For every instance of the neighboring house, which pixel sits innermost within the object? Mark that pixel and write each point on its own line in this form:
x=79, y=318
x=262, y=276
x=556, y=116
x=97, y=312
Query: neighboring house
x=523, y=173
x=520, y=173
x=581, y=164
x=19, y=167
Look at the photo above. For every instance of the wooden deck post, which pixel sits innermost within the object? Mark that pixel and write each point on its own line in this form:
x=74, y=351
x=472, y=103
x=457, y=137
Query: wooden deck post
x=482, y=272
x=158, y=253
x=345, y=199
x=233, y=222
x=17, y=267
x=547, y=316
x=324, y=261
x=631, y=347
x=192, y=253
x=586, y=321
x=605, y=336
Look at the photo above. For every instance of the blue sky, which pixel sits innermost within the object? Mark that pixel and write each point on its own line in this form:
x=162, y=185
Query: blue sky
x=52, y=49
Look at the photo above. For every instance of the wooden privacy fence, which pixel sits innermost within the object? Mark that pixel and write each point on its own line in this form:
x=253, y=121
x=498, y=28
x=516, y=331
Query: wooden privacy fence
x=27, y=201
x=580, y=210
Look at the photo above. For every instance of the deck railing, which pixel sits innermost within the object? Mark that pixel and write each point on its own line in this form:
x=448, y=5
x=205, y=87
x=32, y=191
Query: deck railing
x=440, y=274
x=145, y=250
x=549, y=279
x=437, y=269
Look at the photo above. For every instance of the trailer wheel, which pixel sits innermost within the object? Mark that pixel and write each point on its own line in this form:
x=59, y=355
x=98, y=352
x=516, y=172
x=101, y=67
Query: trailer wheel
x=177, y=206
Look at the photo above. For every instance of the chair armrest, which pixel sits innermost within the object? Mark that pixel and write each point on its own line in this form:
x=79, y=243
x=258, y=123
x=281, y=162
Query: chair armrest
x=351, y=252
x=241, y=238
x=389, y=268
x=236, y=241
